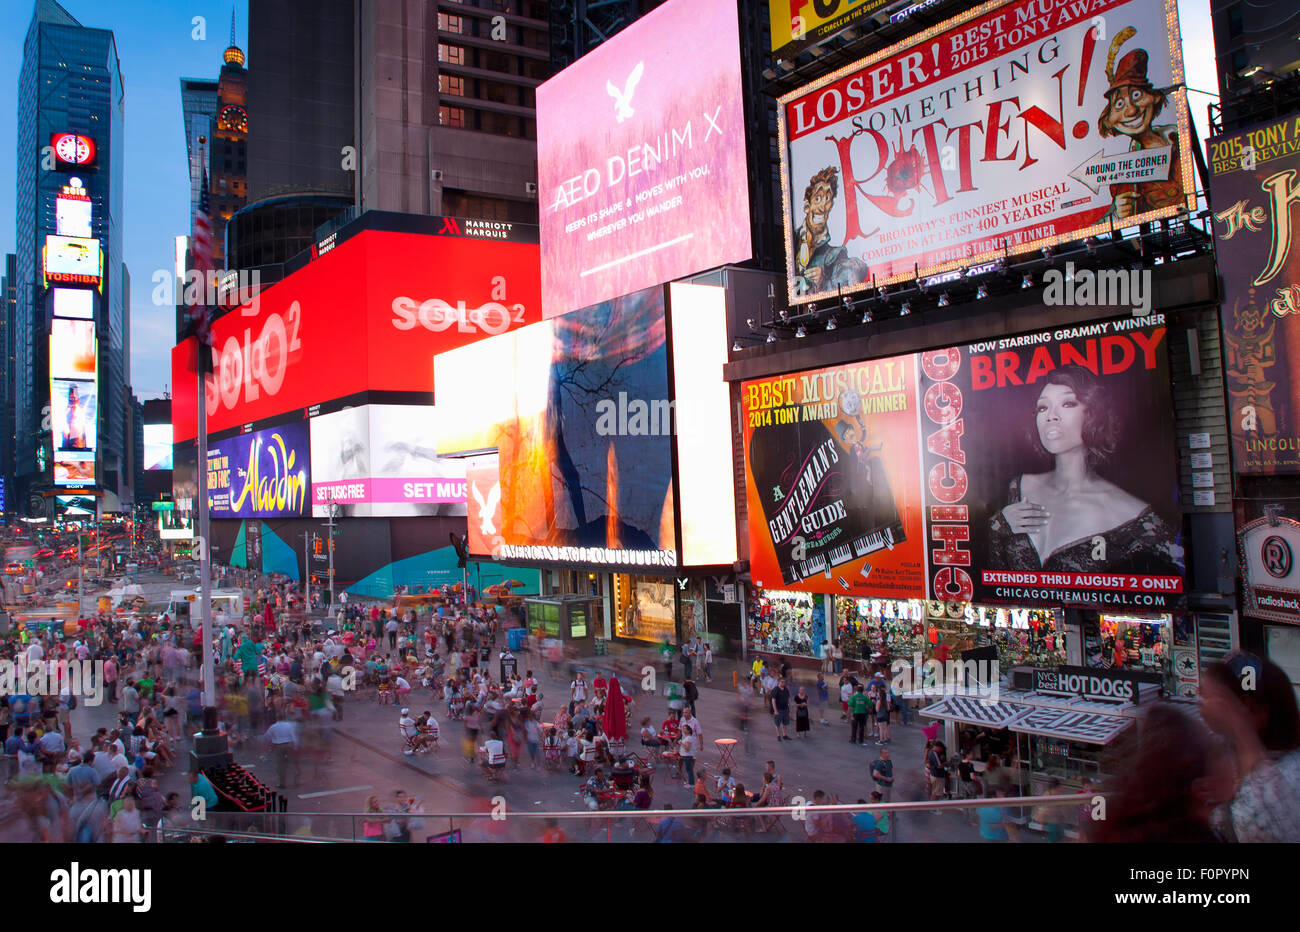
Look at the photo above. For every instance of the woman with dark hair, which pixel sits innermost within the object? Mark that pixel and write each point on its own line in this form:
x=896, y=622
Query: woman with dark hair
x=1071, y=518
x=1168, y=785
x=1251, y=703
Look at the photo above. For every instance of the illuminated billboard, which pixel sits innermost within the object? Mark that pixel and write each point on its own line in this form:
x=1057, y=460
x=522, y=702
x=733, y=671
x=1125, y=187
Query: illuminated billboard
x=73, y=416
x=73, y=349
x=73, y=259
x=263, y=474
x=797, y=24
x=75, y=303
x=382, y=461
x=70, y=470
x=577, y=411
x=175, y=525
x=372, y=312
x=157, y=446
x=1003, y=472
x=1004, y=131
x=72, y=216
x=73, y=150
x=641, y=158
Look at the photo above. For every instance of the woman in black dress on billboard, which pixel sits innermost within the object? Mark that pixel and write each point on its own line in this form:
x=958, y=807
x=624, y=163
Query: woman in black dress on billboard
x=1072, y=519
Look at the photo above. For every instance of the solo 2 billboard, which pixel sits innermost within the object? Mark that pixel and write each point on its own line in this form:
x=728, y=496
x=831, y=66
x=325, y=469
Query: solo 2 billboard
x=367, y=315
x=1000, y=472
x=263, y=474
x=1254, y=197
x=641, y=158
x=1015, y=125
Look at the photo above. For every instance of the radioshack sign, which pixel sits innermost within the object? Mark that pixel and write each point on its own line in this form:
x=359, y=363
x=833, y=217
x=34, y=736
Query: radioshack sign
x=1268, y=560
x=1105, y=685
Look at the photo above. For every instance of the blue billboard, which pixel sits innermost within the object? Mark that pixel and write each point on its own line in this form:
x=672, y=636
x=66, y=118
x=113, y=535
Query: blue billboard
x=263, y=474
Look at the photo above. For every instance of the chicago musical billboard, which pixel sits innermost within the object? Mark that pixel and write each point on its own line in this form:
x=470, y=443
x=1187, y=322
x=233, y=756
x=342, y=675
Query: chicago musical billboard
x=998, y=472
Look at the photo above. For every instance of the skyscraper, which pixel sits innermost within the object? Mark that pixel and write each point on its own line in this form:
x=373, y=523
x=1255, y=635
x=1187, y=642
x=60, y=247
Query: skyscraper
x=70, y=391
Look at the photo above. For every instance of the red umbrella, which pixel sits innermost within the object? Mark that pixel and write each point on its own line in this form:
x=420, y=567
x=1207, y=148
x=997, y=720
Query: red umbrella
x=615, y=721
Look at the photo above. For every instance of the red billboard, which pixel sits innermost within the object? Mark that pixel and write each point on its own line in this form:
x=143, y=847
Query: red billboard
x=368, y=315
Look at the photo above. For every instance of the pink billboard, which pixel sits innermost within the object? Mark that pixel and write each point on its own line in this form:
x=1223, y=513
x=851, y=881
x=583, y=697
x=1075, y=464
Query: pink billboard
x=641, y=158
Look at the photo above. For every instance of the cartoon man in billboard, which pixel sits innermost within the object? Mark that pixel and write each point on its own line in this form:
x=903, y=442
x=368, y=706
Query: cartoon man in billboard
x=1132, y=105
x=818, y=265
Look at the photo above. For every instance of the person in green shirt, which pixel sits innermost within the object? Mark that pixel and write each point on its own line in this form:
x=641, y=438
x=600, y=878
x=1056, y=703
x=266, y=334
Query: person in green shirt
x=859, y=705
x=666, y=655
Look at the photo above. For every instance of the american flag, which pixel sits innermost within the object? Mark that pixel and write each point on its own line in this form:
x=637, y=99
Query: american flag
x=201, y=260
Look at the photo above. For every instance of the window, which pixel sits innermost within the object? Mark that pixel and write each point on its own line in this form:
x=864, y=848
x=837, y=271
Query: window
x=1234, y=21
x=449, y=23
x=500, y=93
x=452, y=54
x=499, y=123
x=451, y=116
x=450, y=84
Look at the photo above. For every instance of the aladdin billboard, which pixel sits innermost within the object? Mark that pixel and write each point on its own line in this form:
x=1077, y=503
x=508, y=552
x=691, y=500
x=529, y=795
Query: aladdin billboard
x=367, y=315
x=641, y=158
x=263, y=474
x=1010, y=127
x=1252, y=190
x=1031, y=470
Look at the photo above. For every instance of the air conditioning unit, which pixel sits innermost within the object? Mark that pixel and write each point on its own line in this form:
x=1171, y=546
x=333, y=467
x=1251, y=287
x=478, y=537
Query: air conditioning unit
x=437, y=174
x=530, y=187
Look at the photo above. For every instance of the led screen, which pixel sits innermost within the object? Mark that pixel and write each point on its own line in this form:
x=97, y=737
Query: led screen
x=372, y=312
x=72, y=349
x=641, y=158
x=72, y=216
x=157, y=446
x=72, y=259
x=578, y=411
x=73, y=416
x=76, y=303
x=382, y=461
x=263, y=474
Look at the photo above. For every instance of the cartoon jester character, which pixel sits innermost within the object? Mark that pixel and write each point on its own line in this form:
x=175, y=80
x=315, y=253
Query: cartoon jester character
x=1132, y=105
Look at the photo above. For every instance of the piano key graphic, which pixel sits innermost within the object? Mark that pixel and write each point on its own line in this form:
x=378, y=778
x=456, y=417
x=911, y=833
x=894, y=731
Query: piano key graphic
x=866, y=570
x=844, y=583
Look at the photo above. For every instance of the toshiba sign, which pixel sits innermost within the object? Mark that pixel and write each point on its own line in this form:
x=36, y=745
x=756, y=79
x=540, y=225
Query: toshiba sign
x=369, y=314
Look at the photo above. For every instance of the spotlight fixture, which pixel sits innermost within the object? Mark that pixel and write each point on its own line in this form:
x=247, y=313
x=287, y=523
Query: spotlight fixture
x=981, y=292
x=943, y=299
x=771, y=337
x=801, y=332
x=785, y=315
x=749, y=321
x=1027, y=281
x=1069, y=271
x=847, y=304
x=907, y=308
x=1047, y=253
x=830, y=324
x=1090, y=244
x=812, y=308
x=735, y=347
x=866, y=316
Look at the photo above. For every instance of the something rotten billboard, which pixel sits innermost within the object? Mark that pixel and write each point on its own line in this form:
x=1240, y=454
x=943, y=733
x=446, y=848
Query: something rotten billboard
x=1030, y=470
x=641, y=158
x=1016, y=125
x=263, y=474
x=1253, y=192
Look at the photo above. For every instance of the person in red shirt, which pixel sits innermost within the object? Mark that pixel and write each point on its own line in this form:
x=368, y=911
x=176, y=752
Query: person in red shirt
x=670, y=731
x=553, y=835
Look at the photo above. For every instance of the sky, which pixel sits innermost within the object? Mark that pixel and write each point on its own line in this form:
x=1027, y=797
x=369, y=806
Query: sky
x=156, y=47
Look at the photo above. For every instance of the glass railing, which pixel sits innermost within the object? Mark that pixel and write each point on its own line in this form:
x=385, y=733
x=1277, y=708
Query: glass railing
x=1036, y=819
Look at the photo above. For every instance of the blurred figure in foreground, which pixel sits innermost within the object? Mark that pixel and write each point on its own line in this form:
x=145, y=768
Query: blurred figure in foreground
x=1250, y=702
x=1167, y=787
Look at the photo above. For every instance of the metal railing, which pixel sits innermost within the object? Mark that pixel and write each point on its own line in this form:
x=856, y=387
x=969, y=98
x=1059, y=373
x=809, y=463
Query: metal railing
x=908, y=821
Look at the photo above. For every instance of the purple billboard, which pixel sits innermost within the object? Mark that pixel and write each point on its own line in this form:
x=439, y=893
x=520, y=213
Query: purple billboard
x=263, y=474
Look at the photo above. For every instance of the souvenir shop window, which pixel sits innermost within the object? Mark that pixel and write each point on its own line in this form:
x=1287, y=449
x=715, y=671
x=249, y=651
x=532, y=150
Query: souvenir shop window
x=1023, y=636
x=879, y=627
x=786, y=623
x=1129, y=642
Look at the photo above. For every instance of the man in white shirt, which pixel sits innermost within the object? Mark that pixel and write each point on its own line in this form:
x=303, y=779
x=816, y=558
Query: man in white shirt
x=407, y=726
x=35, y=653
